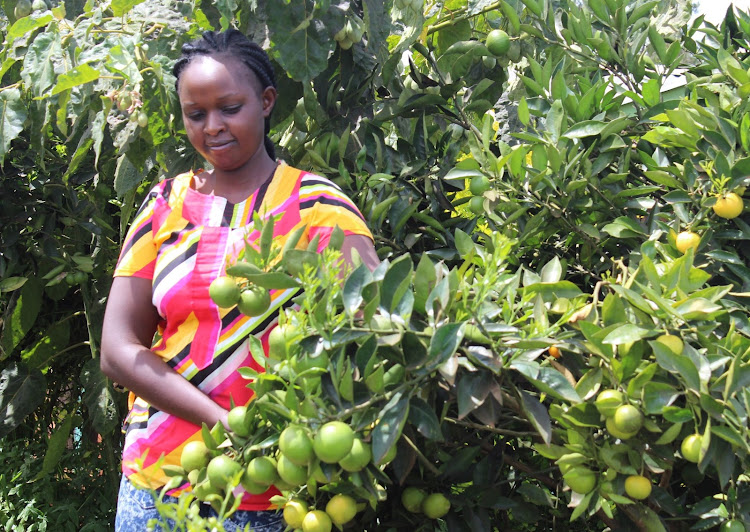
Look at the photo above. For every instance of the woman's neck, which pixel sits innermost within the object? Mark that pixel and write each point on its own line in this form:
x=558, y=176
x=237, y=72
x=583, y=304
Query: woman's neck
x=237, y=185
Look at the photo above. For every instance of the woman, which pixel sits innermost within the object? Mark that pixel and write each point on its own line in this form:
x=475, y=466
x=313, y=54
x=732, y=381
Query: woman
x=187, y=230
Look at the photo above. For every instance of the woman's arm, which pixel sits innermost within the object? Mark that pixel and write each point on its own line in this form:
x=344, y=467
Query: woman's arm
x=130, y=321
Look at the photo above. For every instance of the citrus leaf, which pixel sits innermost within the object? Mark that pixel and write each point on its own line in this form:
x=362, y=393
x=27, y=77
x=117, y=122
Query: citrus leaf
x=12, y=118
x=21, y=391
x=388, y=430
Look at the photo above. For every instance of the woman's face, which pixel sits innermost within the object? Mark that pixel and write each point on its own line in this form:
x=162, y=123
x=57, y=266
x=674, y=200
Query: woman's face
x=224, y=108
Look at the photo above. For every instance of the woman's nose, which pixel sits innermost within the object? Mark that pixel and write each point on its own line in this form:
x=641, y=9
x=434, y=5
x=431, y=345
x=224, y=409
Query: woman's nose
x=214, y=124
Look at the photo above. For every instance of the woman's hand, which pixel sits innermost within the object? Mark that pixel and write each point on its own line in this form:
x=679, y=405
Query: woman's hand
x=129, y=325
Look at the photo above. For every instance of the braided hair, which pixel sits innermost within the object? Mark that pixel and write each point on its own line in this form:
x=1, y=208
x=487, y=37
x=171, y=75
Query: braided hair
x=234, y=43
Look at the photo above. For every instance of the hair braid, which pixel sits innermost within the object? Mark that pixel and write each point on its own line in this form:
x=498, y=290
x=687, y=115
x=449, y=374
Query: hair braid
x=234, y=43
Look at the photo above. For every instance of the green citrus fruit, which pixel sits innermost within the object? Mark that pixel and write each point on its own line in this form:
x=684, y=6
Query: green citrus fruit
x=476, y=205
x=278, y=339
x=580, y=479
x=204, y=490
x=254, y=301
x=637, y=487
x=435, y=505
x=317, y=521
x=142, y=119
x=262, y=470
x=341, y=509
x=628, y=418
x=412, y=498
x=358, y=457
x=251, y=486
x=673, y=342
x=479, y=184
x=733, y=525
x=195, y=455
x=236, y=419
x=333, y=441
x=296, y=445
x=294, y=512
x=728, y=206
x=608, y=401
x=617, y=433
x=498, y=42
x=224, y=292
x=221, y=469
x=691, y=448
x=291, y=473
x=686, y=240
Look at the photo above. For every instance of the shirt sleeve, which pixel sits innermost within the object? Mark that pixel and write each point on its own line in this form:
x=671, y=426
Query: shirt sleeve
x=325, y=206
x=138, y=254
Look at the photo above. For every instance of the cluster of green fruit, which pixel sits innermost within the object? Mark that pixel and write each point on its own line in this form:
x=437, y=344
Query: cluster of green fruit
x=298, y=461
x=727, y=206
x=250, y=299
x=432, y=505
x=351, y=33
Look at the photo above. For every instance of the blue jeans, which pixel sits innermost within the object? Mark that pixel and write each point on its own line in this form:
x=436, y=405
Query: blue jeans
x=135, y=507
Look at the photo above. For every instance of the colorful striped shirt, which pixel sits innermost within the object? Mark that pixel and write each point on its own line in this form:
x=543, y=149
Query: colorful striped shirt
x=182, y=240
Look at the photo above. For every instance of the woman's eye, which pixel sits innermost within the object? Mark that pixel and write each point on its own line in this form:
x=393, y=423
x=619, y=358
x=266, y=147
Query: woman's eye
x=195, y=116
x=232, y=110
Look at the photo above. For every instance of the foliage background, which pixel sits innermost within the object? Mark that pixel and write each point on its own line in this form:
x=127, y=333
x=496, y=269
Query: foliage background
x=594, y=165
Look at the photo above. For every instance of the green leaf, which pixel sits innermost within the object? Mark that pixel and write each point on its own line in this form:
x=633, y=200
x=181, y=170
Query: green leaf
x=657, y=396
x=56, y=446
x=423, y=417
x=388, y=430
x=273, y=280
x=550, y=381
x=537, y=414
x=472, y=389
x=39, y=63
x=625, y=334
x=121, y=7
x=301, y=43
x=21, y=391
x=587, y=128
x=460, y=57
x=54, y=340
x=523, y=111
x=98, y=396
x=80, y=75
x=396, y=283
x=26, y=25
x=424, y=280
x=12, y=118
x=9, y=284
x=680, y=365
x=353, y=287
x=558, y=289
x=127, y=176
x=23, y=316
x=623, y=227
x=445, y=342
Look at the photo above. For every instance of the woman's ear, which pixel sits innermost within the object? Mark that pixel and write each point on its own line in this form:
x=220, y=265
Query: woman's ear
x=268, y=97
